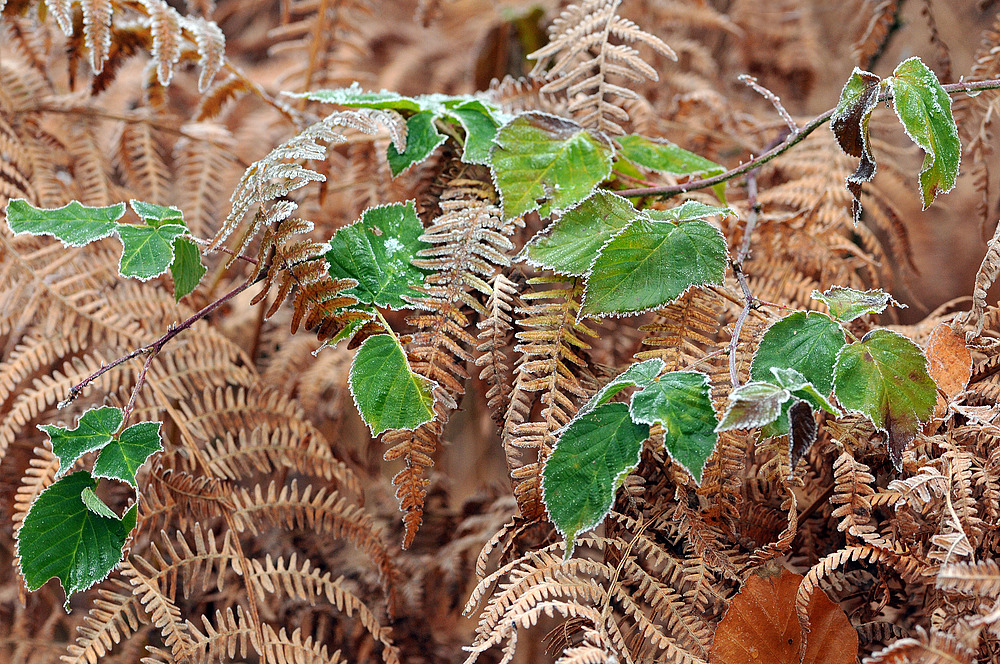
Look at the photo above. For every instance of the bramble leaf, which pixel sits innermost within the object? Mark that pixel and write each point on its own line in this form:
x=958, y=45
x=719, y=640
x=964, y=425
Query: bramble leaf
x=850, y=125
x=924, y=108
x=147, y=251
x=75, y=224
x=546, y=163
x=388, y=394
x=639, y=374
x=422, y=138
x=158, y=215
x=846, y=304
x=480, y=127
x=95, y=429
x=571, y=243
x=681, y=403
x=376, y=251
x=796, y=383
x=96, y=505
x=187, y=268
x=122, y=456
x=665, y=157
x=61, y=537
x=689, y=211
x=586, y=467
x=752, y=405
x=884, y=377
x=807, y=342
x=652, y=263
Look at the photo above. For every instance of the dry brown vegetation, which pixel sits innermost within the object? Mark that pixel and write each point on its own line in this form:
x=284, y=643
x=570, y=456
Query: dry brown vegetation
x=270, y=526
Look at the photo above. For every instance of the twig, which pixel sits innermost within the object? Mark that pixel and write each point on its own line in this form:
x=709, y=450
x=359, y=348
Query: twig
x=666, y=191
x=773, y=98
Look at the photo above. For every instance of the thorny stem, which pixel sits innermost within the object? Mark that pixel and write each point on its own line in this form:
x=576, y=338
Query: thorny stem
x=666, y=191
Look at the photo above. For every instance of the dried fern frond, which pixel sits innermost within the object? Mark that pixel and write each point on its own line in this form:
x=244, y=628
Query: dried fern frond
x=496, y=327
x=584, y=61
x=987, y=274
x=933, y=648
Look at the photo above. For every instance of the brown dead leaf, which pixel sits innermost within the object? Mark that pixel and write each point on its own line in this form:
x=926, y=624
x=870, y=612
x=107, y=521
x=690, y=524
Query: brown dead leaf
x=760, y=626
x=949, y=363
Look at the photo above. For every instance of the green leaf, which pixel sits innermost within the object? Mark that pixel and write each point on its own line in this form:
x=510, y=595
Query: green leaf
x=121, y=457
x=355, y=97
x=187, y=269
x=480, y=130
x=388, y=394
x=422, y=138
x=681, y=403
x=665, y=157
x=158, y=215
x=806, y=342
x=586, y=467
x=61, y=537
x=74, y=224
x=572, y=242
x=545, y=163
x=376, y=251
x=796, y=383
x=850, y=125
x=639, y=374
x=924, y=108
x=752, y=405
x=846, y=304
x=95, y=429
x=884, y=377
x=652, y=263
x=350, y=329
x=96, y=505
x=147, y=250
x=689, y=211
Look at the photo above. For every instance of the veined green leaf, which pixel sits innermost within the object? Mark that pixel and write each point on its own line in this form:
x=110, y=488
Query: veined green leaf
x=121, y=457
x=61, y=537
x=588, y=464
x=806, y=342
x=158, y=215
x=355, y=97
x=752, y=405
x=187, y=268
x=422, y=138
x=571, y=243
x=376, y=251
x=652, y=263
x=545, y=163
x=95, y=429
x=388, y=394
x=75, y=224
x=846, y=304
x=850, y=125
x=96, y=505
x=884, y=377
x=924, y=108
x=639, y=374
x=665, y=157
x=796, y=383
x=689, y=211
x=147, y=251
x=480, y=129
x=681, y=403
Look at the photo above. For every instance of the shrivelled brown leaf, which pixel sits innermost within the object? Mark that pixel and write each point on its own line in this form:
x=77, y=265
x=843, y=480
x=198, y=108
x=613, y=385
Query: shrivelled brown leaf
x=949, y=363
x=761, y=627
x=801, y=431
x=850, y=125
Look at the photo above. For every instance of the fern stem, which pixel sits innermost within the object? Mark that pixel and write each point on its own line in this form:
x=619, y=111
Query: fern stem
x=668, y=191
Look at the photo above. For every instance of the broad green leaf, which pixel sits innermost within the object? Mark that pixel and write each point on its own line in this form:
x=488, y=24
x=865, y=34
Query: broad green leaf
x=924, y=108
x=545, y=163
x=422, y=138
x=572, y=242
x=96, y=505
x=681, y=403
x=689, y=211
x=121, y=457
x=187, y=269
x=884, y=377
x=148, y=251
x=752, y=405
x=652, y=263
x=386, y=391
x=74, y=224
x=807, y=342
x=846, y=304
x=62, y=538
x=376, y=251
x=850, y=125
x=95, y=429
x=665, y=157
x=586, y=467
x=639, y=374
x=158, y=215
x=480, y=130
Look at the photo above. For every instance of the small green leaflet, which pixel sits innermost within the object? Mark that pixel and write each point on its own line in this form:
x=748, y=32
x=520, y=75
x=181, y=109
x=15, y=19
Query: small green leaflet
x=546, y=163
x=586, y=467
x=61, y=537
x=665, y=157
x=157, y=215
x=386, y=391
x=652, y=263
x=376, y=251
x=846, y=304
x=850, y=125
x=95, y=429
x=571, y=243
x=75, y=224
x=807, y=342
x=187, y=269
x=121, y=457
x=681, y=403
x=752, y=405
x=884, y=377
x=689, y=211
x=422, y=138
x=924, y=108
x=639, y=374
x=96, y=505
x=796, y=383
